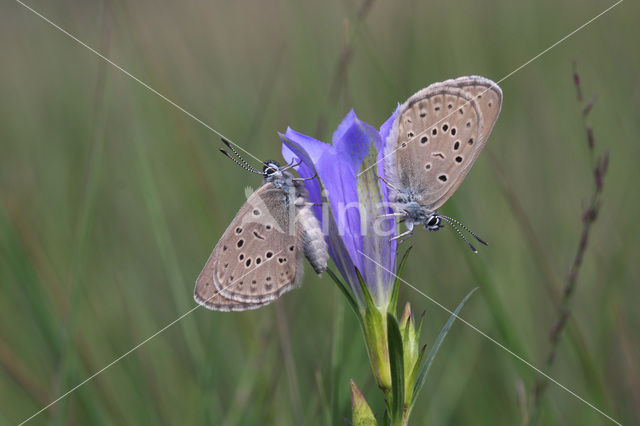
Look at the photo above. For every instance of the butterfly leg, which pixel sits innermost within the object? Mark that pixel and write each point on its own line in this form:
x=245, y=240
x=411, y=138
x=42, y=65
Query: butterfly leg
x=301, y=201
x=292, y=164
x=405, y=235
x=305, y=179
x=384, y=216
x=388, y=184
x=402, y=237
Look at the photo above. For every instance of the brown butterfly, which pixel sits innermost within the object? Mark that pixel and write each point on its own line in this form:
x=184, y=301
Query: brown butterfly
x=435, y=139
x=259, y=256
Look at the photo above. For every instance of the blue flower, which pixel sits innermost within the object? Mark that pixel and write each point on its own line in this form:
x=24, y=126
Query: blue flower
x=349, y=170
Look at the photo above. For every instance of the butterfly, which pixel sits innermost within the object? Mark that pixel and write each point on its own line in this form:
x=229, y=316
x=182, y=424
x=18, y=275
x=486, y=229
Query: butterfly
x=259, y=256
x=436, y=137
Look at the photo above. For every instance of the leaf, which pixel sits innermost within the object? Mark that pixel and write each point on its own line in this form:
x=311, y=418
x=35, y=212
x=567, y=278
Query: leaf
x=421, y=376
x=365, y=291
x=396, y=363
x=418, y=363
x=393, y=304
x=361, y=412
x=347, y=293
x=419, y=328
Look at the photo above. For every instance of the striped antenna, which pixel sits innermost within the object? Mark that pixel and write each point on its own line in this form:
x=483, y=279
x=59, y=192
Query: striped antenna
x=247, y=165
x=447, y=219
x=247, y=168
x=465, y=228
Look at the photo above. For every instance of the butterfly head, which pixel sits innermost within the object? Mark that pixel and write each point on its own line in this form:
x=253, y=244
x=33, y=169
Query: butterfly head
x=271, y=171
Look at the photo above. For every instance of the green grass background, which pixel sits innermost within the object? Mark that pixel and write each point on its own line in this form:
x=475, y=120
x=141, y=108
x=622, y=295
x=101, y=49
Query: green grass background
x=111, y=201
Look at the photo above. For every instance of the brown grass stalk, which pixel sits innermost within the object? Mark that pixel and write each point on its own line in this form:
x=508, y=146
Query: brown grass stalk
x=589, y=215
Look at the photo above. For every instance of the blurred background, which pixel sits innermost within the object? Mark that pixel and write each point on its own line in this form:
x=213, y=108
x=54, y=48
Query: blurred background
x=111, y=200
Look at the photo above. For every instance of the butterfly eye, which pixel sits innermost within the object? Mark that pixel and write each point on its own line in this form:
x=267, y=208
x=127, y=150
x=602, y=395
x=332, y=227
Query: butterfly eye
x=433, y=224
x=270, y=168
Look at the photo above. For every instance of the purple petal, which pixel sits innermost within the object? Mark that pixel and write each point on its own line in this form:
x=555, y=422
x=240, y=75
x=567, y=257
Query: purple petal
x=390, y=259
x=356, y=148
x=385, y=129
x=353, y=139
x=333, y=171
x=361, y=146
x=298, y=147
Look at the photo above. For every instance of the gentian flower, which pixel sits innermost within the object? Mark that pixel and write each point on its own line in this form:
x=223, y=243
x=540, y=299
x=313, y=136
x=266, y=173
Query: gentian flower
x=362, y=247
x=356, y=201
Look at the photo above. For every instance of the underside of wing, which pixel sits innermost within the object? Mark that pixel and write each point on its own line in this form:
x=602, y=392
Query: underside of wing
x=207, y=295
x=258, y=257
x=437, y=136
x=488, y=97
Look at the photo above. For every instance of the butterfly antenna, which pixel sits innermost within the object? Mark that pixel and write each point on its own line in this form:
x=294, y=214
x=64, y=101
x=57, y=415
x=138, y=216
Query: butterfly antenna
x=466, y=229
x=228, y=144
x=448, y=220
x=244, y=166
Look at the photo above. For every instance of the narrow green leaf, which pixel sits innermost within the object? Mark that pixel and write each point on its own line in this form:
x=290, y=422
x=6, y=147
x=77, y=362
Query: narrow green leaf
x=396, y=363
x=421, y=377
x=393, y=304
x=365, y=291
x=403, y=261
x=419, y=328
x=419, y=361
x=347, y=293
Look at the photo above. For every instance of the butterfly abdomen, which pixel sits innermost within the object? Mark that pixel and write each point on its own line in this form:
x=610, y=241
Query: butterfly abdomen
x=313, y=243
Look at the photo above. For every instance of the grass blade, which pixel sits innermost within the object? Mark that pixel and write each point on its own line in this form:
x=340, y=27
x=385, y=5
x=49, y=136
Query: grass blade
x=421, y=377
x=345, y=290
x=393, y=304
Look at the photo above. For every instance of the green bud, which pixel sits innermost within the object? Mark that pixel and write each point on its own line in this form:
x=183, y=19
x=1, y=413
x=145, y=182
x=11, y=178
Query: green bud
x=410, y=345
x=361, y=412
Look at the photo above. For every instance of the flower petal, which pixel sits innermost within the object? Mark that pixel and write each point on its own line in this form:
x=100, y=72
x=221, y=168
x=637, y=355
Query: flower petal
x=389, y=260
x=318, y=157
x=298, y=147
x=349, y=171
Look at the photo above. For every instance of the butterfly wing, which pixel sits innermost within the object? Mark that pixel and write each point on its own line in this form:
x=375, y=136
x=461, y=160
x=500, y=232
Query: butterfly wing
x=437, y=136
x=206, y=294
x=258, y=257
x=488, y=98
